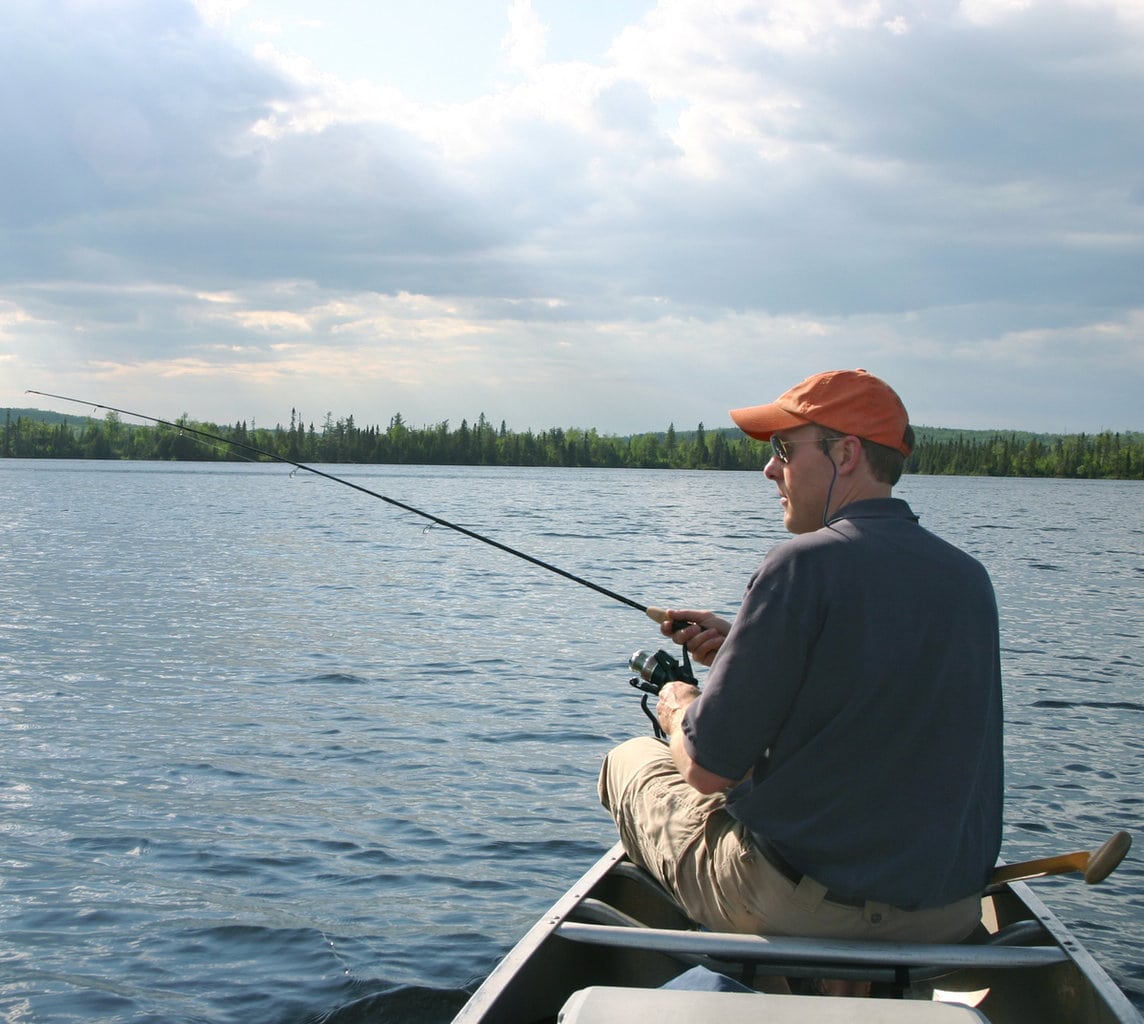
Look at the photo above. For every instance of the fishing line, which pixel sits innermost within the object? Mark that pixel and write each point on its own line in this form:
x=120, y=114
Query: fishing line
x=653, y=613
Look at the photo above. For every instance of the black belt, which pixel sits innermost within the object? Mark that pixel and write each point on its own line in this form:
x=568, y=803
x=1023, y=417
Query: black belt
x=793, y=875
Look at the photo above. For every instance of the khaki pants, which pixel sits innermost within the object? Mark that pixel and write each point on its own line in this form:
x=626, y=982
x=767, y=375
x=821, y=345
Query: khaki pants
x=707, y=859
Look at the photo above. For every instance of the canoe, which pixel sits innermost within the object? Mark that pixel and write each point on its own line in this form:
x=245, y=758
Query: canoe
x=606, y=948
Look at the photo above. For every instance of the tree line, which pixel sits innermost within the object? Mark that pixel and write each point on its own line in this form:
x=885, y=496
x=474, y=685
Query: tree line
x=32, y=435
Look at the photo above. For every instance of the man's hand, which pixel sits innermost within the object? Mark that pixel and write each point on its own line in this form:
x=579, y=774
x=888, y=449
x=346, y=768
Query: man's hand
x=703, y=637
x=673, y=701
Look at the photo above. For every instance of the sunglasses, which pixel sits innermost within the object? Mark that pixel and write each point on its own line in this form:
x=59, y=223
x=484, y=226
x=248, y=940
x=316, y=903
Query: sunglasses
x=781, y=447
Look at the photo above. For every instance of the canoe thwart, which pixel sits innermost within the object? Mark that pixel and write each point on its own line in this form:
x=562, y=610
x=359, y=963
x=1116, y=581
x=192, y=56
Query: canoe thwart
x=815, y=952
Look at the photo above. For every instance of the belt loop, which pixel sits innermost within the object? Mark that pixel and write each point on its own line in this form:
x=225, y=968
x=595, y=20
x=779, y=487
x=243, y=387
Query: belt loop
x=808, y=894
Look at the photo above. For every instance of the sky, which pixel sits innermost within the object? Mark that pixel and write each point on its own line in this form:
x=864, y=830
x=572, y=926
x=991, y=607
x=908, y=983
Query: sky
x=619, y=214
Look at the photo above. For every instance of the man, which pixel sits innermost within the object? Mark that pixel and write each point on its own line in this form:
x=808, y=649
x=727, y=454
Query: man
x=840, y=775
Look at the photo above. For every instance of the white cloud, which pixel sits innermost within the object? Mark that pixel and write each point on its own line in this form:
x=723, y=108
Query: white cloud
x=527, y=37
x=219, y=12
x=775, y=188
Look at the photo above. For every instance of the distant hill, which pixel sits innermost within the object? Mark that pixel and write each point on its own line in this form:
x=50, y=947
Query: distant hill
x=41, y=416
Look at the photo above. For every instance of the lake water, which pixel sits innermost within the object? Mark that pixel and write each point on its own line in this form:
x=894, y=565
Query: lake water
x=275, y=751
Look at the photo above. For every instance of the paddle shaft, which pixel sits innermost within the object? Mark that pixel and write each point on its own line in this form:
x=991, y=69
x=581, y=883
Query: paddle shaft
x=1060, y=865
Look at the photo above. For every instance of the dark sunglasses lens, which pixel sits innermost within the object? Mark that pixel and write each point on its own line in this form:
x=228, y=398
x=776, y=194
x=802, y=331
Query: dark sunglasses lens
x=782, y=453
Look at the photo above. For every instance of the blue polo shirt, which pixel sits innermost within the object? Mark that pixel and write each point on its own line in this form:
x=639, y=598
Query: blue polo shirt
x=860, y=688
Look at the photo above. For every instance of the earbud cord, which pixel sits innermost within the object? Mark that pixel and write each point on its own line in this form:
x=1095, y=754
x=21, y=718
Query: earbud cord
x=833, y=481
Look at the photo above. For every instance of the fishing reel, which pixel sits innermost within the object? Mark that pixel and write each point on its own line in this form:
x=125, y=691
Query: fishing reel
x=654, y=670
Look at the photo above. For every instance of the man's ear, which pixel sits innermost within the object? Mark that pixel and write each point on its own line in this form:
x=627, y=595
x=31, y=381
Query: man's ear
x=851, y=454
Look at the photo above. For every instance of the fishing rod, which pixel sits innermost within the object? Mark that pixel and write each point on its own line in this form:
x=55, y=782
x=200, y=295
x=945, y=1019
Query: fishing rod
x=655, y=614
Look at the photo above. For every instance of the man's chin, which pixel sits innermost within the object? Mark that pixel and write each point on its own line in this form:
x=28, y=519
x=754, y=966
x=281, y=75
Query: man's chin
x=794, y=525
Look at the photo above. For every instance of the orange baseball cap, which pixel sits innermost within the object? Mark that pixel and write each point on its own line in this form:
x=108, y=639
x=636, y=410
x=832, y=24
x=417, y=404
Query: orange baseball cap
x=848, y=401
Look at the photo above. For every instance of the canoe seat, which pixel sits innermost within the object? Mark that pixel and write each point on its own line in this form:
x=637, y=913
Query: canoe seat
x=606, y=1005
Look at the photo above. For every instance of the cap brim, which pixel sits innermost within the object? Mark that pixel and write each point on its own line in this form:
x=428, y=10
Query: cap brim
x=761, y=421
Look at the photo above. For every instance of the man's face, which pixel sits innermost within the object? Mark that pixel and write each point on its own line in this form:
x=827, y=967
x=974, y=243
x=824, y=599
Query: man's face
x=804, y=480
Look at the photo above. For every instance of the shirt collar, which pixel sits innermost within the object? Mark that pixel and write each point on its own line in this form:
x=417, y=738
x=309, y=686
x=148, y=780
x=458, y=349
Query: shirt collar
x=875, y=508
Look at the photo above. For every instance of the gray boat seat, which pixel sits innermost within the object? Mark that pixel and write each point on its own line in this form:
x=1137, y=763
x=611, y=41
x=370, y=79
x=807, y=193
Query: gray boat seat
x=606, y=1005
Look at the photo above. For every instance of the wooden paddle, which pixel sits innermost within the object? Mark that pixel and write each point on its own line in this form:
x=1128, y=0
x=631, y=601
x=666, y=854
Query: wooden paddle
x=1097, y=865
